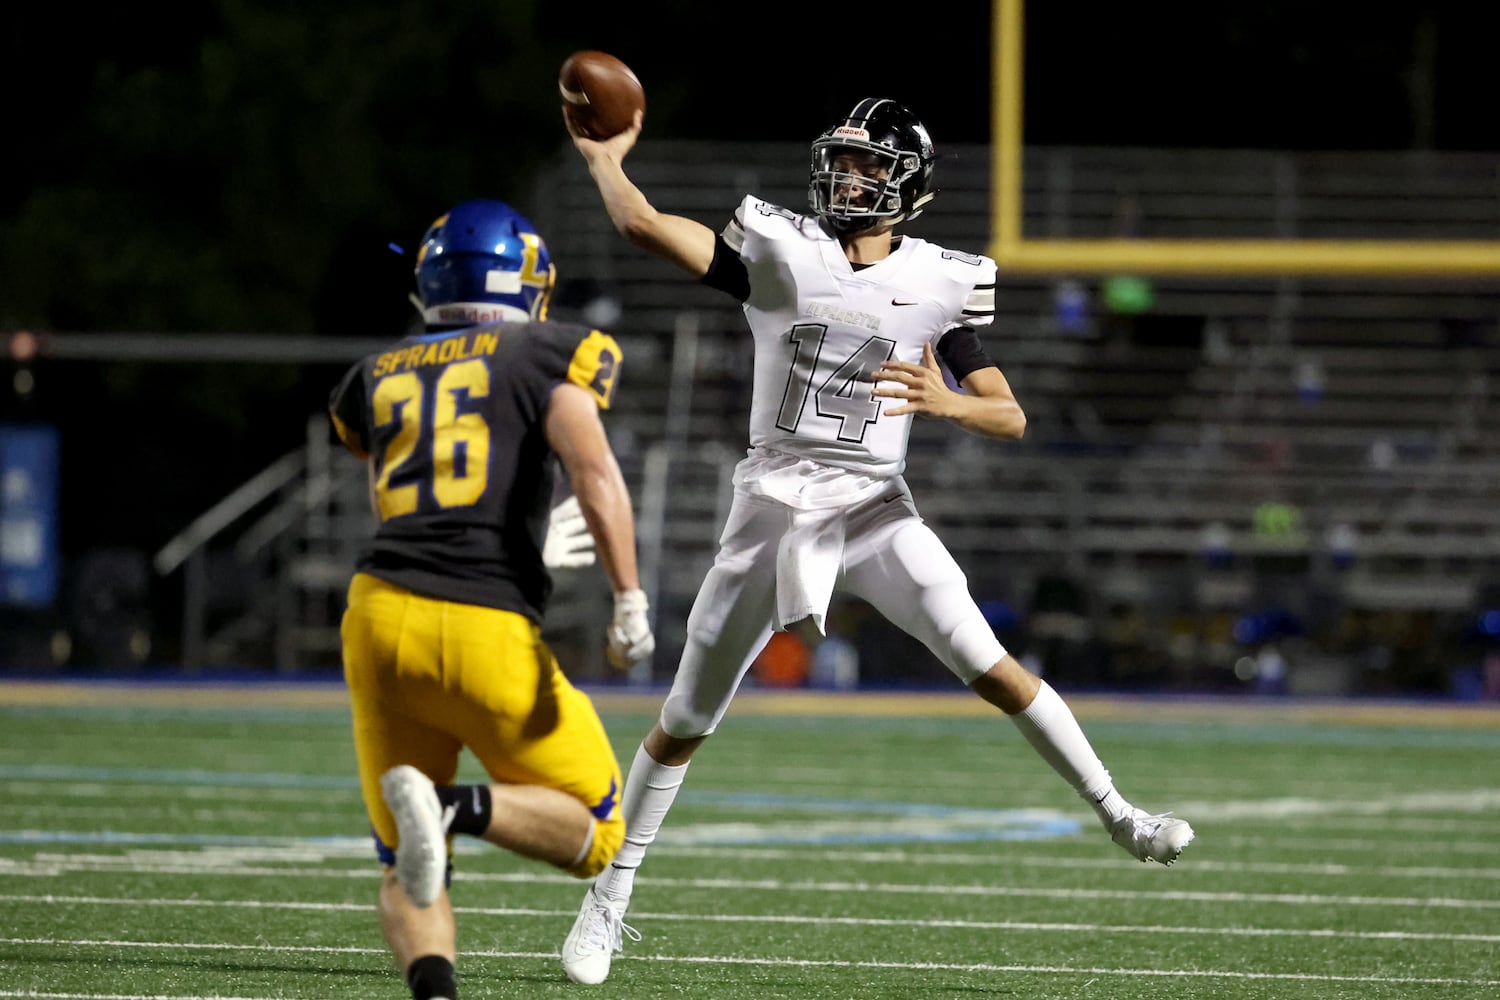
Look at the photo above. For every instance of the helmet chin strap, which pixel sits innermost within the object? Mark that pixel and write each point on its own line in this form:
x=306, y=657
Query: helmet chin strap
x=865, y=227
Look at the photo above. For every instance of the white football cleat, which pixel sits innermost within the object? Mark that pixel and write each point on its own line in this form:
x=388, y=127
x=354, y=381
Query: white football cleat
x=1148, y=837
x=422, y=854
x=596, y=935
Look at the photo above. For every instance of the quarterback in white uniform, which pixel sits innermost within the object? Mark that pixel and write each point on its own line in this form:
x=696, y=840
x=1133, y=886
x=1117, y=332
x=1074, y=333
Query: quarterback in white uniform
x=822, y=327
x=850, y=322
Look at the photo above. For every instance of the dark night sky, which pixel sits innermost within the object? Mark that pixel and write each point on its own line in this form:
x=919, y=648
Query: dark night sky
x=1274, y=73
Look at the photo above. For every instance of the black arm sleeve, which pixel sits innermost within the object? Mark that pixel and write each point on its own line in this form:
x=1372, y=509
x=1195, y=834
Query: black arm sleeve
x=962, y=353
x=727, y=272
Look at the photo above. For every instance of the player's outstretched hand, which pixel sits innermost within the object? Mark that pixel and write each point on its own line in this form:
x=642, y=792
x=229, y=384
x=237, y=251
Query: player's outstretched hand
x=921, y=386
x=628, y=638
x=568, y=544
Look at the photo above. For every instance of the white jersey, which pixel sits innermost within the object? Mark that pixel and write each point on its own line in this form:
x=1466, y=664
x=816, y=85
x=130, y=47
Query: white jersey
x=821, y=328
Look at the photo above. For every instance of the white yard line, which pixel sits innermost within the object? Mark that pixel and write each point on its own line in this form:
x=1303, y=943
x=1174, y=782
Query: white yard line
x=784, y=919
x=737, y=960
x=48, y=867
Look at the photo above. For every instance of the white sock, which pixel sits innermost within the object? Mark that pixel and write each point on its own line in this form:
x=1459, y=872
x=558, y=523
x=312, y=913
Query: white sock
x=650, y=790
x=1049, y=726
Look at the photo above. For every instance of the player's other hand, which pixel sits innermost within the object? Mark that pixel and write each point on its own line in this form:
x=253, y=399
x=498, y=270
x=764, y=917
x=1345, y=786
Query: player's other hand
x=921, y=388
x=628, y=638
x=568, y=544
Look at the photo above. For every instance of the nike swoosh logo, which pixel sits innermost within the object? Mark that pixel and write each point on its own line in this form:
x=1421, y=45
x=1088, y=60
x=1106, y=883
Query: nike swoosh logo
x=475, y=792
x=898, y=302
x=891, y=499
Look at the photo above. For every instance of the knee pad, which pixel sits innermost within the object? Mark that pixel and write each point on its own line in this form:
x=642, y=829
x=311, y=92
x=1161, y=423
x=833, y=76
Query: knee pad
x=703, y=687
x=604, y=844
x=680, y=720
x=959, y=636
x=972, y=650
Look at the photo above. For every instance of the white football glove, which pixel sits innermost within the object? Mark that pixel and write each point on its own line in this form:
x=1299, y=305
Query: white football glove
x=569, y=544
x=628, y=638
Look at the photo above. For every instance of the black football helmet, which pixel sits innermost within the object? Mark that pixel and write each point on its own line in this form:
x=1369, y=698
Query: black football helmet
x=893, y=134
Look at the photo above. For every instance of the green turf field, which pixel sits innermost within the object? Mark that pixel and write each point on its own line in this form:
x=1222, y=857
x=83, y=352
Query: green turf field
x=165, y=843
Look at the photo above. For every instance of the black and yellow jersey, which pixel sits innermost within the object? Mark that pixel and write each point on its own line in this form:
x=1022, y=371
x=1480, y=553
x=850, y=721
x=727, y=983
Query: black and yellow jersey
x=454, y=424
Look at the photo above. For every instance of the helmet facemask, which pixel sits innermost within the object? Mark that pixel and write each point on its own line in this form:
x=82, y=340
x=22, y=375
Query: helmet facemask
x=856, y=186
x=874, y=170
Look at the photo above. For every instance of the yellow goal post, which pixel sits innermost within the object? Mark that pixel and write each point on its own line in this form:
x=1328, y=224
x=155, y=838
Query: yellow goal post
x=1014, y=252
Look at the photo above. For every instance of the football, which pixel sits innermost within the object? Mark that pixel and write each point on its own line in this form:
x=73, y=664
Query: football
x=600, y=94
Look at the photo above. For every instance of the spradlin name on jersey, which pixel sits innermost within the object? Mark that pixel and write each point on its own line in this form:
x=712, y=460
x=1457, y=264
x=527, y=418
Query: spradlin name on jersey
x=437, y=352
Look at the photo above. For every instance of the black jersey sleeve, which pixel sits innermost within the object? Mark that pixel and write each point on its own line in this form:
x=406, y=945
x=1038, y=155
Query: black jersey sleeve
x=727, y=272
x=346, y=408
x=962, y=353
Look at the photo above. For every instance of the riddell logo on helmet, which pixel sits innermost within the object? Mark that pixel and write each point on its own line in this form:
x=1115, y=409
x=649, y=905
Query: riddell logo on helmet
x=850, y=132
x=473, y=314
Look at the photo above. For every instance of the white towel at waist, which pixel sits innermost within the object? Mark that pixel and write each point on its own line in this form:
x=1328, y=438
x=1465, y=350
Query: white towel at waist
x=808, y=559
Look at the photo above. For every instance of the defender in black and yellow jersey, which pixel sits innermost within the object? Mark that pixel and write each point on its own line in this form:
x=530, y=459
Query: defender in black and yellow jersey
x=461, y=427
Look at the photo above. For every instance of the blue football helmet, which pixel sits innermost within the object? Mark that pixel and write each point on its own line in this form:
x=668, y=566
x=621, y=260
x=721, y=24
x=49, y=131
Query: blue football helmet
x=483, y=262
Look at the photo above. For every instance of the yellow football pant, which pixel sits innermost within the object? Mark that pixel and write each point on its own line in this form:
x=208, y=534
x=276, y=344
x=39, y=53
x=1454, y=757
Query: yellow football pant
x=429, y=677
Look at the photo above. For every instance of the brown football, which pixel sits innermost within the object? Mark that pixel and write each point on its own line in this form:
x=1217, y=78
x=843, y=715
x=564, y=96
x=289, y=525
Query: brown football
x=600, y=94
